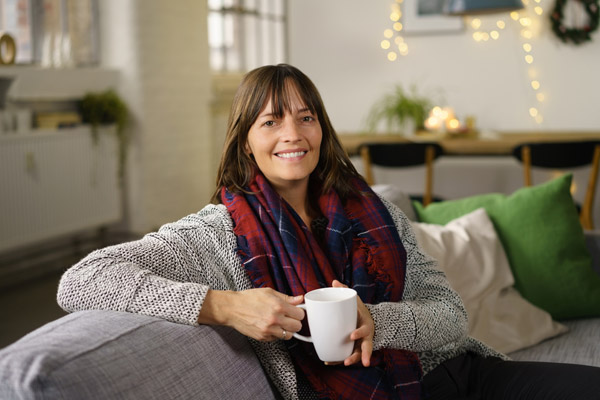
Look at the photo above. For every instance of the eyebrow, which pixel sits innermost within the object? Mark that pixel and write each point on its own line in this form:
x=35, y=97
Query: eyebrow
x=271, y=115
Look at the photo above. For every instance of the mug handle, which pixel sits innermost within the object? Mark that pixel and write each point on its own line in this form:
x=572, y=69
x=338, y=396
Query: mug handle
x=301, y=337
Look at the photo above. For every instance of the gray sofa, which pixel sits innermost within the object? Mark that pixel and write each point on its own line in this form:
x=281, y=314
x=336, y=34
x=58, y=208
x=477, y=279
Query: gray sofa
x=115, y=355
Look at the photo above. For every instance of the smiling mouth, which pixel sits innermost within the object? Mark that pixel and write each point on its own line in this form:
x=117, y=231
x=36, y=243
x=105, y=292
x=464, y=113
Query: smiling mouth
x=291, y=155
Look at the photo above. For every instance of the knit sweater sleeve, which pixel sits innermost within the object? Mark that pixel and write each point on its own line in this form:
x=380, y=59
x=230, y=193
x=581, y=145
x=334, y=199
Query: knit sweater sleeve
x=431, y=314
x=165, y=274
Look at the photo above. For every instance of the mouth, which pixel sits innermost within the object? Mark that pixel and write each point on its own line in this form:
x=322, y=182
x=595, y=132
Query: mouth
x=291, y=154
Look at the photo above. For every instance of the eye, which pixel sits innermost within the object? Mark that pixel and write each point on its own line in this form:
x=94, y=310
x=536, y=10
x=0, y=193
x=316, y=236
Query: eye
x=269, y=123
x=308, y=118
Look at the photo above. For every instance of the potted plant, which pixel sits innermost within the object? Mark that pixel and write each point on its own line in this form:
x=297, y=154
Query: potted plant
x=400, y=108
x=107, y=108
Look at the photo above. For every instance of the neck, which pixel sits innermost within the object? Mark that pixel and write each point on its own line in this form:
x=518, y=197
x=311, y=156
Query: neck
x=297, y=197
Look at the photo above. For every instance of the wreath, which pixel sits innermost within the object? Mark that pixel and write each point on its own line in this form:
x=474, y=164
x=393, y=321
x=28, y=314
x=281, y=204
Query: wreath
x=575, y=35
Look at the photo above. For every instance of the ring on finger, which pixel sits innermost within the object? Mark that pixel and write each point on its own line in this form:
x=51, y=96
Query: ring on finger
x=284, y=333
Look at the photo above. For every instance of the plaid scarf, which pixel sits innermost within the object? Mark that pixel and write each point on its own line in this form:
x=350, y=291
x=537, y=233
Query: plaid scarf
x=361, y=249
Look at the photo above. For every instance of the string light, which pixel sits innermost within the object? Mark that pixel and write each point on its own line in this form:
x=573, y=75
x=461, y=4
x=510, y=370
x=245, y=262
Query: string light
x=526, y=25
x=395, y=44
x=400, y=48
x=527, y=34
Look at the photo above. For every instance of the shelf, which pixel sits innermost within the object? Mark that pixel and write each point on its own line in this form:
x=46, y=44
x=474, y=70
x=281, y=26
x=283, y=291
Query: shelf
x=57, y=84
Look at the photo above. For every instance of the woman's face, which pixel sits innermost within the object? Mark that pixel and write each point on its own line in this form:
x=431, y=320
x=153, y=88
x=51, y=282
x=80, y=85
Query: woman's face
x=286, y=149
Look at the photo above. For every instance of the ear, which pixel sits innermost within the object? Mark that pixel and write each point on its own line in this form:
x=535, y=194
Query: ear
x=247, y=149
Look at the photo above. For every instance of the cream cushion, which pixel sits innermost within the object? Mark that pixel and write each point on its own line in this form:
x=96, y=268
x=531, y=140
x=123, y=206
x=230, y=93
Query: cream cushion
x=473, y=259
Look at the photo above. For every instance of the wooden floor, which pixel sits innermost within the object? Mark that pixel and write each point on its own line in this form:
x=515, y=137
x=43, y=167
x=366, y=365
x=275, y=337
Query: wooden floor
x=27, y=306
x=29, y=280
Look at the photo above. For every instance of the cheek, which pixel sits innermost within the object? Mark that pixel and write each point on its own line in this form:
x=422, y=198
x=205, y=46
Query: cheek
x=318, y=141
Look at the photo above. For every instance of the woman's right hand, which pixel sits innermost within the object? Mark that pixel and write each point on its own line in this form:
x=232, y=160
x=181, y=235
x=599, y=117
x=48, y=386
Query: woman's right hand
x=263, y=314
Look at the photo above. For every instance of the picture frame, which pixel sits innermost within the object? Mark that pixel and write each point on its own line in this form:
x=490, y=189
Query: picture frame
x=433, y=21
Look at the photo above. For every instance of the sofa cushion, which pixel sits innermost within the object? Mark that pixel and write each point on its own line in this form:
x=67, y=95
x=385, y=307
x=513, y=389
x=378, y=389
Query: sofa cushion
x=394, y=195
x=579, y=346
x=540, y=231
x=109, y=355
x=473, y=259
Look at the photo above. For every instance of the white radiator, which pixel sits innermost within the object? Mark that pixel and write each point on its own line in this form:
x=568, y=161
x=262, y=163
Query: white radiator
x=54, y=183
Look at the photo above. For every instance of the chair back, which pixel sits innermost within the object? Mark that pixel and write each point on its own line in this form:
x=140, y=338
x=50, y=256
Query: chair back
x=564, y=155
x=400, y=155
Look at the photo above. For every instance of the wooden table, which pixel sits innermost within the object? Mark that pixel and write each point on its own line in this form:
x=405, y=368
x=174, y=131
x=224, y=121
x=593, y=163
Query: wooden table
x=501, y=143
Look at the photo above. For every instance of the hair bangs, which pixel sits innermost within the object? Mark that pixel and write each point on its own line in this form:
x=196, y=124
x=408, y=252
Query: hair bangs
x=284, y=90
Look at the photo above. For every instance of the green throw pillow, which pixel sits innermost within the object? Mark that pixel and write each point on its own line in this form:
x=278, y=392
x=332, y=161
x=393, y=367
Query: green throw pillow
x=544, y=242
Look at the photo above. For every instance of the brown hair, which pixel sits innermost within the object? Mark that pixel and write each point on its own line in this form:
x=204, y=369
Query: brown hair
x=275, y=82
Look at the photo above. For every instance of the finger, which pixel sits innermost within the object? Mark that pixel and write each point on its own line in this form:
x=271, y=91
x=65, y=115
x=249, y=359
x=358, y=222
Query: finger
x=359, y=333
x=294, y=300
x=291, y=325
x=293, y=312
x=367, y=350
x=337, y=283
x=289, y=307
x=353, y=358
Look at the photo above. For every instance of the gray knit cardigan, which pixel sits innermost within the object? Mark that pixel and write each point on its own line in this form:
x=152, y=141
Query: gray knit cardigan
x=166, y=274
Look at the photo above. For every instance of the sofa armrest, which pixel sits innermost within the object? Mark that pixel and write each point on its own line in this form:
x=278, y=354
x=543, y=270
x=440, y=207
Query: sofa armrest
x=592, y=240
x=106, y=354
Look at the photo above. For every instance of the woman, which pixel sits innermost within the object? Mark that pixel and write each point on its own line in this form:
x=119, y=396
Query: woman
x=294, y=215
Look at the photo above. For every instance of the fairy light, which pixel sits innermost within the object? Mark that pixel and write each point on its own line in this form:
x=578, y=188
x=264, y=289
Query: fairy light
x=395, y=45
x=525, y=20
x=403, y=49
x=526, y=34
x=394, y=34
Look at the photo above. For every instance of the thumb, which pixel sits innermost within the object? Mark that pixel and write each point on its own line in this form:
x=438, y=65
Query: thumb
x=337, y=283
x=294, y=300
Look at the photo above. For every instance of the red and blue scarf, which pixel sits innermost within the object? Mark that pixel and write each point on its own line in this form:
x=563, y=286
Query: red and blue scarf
x=361, y=248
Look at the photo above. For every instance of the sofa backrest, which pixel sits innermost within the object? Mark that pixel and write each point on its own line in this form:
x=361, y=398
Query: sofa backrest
x=110, y=355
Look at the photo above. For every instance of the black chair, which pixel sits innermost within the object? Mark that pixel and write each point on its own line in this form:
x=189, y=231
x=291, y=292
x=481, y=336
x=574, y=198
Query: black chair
x=406, y=154
x=564, y=155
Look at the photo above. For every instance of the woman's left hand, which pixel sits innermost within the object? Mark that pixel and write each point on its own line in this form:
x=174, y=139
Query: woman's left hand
x=363, y=335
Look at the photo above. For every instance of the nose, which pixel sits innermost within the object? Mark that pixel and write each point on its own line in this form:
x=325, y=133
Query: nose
x=290, y=131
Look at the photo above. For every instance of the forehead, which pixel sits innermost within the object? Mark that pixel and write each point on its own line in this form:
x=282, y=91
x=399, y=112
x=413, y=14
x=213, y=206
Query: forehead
x=284, y=98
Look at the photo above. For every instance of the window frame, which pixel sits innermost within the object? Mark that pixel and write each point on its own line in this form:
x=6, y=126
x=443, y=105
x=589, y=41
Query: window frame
x=239, y=12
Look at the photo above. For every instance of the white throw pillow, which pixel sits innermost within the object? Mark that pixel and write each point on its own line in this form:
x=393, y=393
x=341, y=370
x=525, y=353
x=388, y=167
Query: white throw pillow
x=473, y=259
x=396, y=196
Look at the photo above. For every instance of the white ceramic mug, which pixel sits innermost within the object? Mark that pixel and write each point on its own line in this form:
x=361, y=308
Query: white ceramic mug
x=332, y=316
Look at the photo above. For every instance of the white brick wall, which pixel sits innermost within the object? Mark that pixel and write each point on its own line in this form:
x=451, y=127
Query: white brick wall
x=161, y=48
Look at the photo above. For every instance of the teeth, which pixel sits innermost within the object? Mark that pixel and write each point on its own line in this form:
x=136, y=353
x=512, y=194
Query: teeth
x=291, y=155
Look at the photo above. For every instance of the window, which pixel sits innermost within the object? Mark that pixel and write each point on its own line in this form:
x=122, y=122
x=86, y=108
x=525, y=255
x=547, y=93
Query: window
x=52, y=33
x=15, y=20
x=245, y=34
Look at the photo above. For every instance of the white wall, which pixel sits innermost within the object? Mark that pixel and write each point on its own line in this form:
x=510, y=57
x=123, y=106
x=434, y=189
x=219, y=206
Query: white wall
x=336, y=43
x=161, y=49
